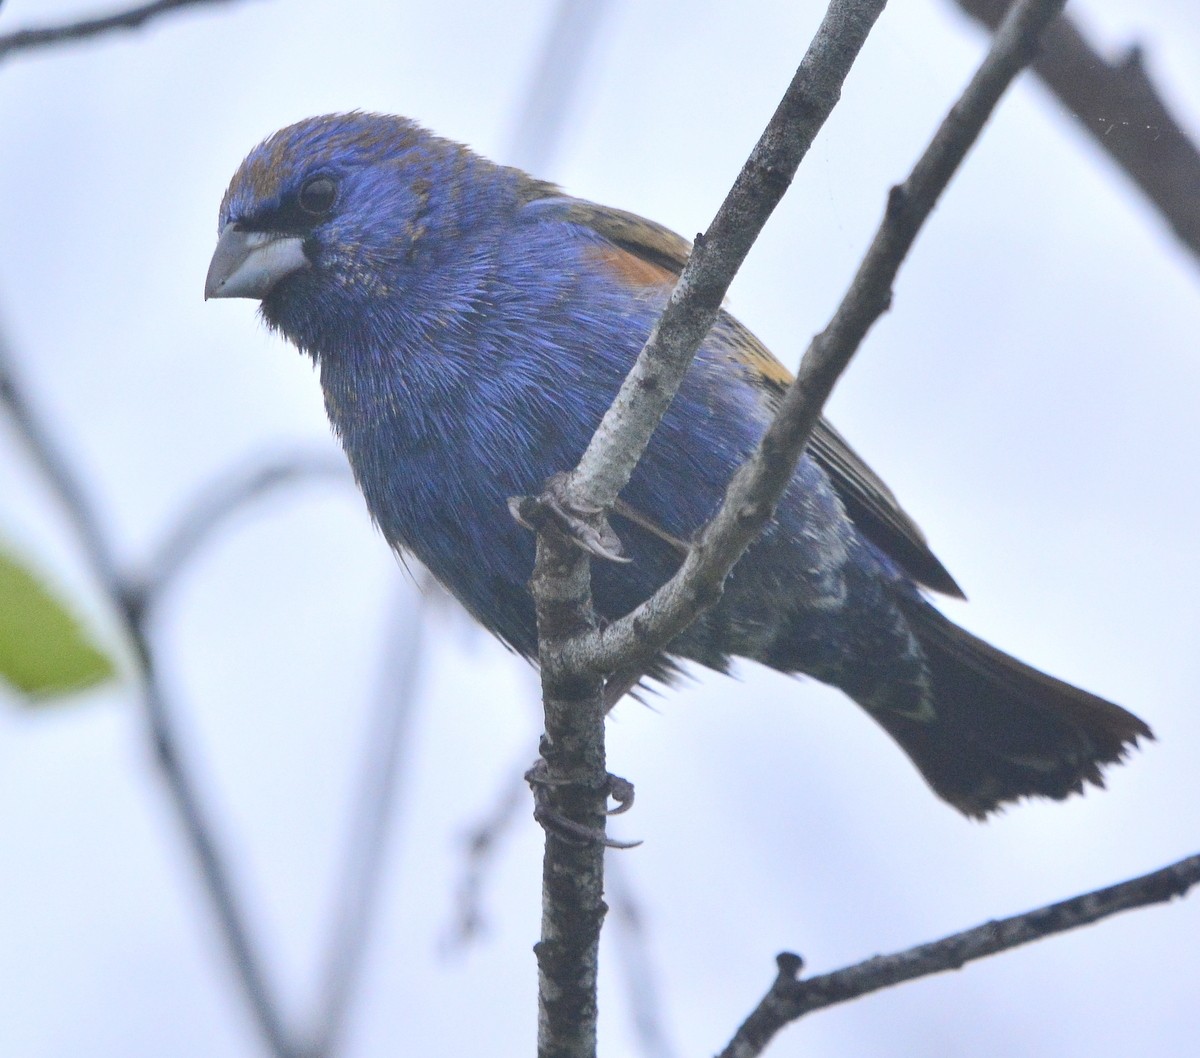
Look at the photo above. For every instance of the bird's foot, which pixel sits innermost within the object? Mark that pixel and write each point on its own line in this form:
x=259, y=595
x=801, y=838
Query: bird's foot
x=586, y=526
x=554, y=822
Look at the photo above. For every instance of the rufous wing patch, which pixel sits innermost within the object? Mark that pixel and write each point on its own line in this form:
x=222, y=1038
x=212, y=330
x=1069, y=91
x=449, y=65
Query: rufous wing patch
x=763, y=366
x=630, y=269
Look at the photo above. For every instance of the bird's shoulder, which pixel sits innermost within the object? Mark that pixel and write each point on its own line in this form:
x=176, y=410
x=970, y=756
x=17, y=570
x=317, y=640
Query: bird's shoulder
x=639, y=252
x=636, y=251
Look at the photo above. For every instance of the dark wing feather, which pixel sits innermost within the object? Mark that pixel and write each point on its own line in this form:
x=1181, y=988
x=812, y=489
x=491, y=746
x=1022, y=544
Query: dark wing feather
x=876, y=512
x=871, y=505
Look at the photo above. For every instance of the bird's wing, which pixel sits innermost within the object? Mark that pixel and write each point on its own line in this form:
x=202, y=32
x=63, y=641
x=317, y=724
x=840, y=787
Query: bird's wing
x=644, y=253
x=876, y=512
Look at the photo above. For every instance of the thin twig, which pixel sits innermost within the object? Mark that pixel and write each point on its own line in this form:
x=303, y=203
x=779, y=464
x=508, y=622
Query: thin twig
x=85, y=28
x=1120, y=108
x=756, y=487
x=481, y=843
x=790, y=998
x=76, y=504
x=618, y=444
x=161, y=726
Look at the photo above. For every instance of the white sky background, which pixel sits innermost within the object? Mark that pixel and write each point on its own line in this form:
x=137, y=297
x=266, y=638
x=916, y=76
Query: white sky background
x=1031, y=397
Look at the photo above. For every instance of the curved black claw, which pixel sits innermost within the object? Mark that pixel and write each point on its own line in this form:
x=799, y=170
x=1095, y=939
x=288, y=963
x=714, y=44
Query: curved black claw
x=586, y=527
x=621, y=791
x=554, y=822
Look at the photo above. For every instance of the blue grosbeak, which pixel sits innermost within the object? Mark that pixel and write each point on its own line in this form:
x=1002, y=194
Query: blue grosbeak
x=471, y=324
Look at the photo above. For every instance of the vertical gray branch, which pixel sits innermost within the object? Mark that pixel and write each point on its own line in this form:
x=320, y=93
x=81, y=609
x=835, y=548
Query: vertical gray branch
x=571, y=782
x=570, y=789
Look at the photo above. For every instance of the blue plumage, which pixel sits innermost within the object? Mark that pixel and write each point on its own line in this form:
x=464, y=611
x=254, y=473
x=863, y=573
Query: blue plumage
x=472, y=324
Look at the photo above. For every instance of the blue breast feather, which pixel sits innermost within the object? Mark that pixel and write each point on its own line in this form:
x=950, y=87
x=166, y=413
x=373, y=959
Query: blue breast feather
x=438, y=420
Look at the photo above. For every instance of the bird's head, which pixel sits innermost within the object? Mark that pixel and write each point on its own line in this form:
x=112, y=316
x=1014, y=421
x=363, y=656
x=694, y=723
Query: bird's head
x=339, y=209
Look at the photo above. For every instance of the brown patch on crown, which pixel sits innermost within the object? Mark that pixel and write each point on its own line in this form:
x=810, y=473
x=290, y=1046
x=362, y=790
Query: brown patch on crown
x=269, y=166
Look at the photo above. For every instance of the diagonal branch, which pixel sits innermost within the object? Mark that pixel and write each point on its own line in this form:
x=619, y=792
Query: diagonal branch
x=553, y=89
x=85, y=28
x=790, y=998
x=636, y=639
x=571, y=783
x=1119, y=107
x=606, y=465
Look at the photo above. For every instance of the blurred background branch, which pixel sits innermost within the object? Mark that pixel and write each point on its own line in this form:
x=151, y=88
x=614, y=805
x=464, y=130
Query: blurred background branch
x=199, y=828
x=86, y=28
x=1123, y=111
x=370, y=824
x=552, y=94
x=219, y=501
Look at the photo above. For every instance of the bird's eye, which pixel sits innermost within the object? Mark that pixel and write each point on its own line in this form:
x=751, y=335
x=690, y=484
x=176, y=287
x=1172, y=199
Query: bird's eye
x=317, y=195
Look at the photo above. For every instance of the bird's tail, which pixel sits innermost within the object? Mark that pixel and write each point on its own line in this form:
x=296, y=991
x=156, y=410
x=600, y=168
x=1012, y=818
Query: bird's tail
x=1002, y=730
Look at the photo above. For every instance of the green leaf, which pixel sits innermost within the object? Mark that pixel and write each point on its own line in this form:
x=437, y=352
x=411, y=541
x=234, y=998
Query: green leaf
x=44, y=650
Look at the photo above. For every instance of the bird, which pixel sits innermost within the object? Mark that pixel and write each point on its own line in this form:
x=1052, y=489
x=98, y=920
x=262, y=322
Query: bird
x=470, y=324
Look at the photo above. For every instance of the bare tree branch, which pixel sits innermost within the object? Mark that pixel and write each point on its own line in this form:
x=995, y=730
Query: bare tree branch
x=750, y=500
x=574, y=654
x=572, y=784
x=570, y=791
x=790, y=998
x=481, y=844
x=606, y=465
x=75, y=502
x=165, y=739
x=1123, y=112
x=83, y=29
